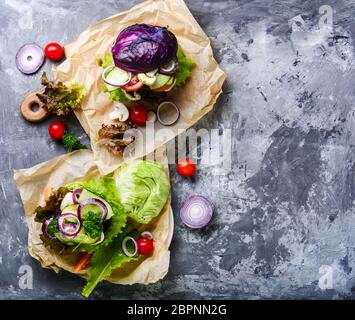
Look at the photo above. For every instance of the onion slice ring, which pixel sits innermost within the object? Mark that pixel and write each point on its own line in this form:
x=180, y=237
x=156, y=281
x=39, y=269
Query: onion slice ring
x=147, y=235
x=124, y=246
x=76, y=195
x=168, y=106
x=71, y=229
x=170, y=67
x=45, y=225
x=95, y=201
x=196, y=212
x=29, y=58
x=108, y=70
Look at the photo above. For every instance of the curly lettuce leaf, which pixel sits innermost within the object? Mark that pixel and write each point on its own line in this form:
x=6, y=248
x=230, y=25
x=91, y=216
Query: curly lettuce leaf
x=106, y=189
x=51, y=206
x=106, y=259
x=116, y=95
x=60, y=99
x=184, y=70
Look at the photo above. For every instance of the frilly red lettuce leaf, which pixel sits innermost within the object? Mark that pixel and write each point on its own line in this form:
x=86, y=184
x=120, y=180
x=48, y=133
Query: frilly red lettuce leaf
x=60, y=99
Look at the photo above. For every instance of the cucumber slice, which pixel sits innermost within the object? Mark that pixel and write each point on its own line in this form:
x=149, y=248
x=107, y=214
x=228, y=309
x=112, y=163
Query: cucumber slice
x=87, y=195
x=81, y=238
x=116, y=77
x=90, y=208
x=73, y=208
x=170, y=81
x=146, y=79
x=172, y=85
x=167, y=86
x=161, y=80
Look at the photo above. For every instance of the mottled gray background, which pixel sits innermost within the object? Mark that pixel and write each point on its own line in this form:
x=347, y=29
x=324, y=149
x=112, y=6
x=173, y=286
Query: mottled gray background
x=286, y=207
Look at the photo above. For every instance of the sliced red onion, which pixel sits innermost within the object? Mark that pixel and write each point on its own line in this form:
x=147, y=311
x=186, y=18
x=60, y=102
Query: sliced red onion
x=29, y=58
x=70, y=229
x=147, y=235
x=108, y=70
x=196, y=212
x=168, y=113
x=124, y=246
x=170, y=67
x=97, y=202
x=76, y=195
x=45, y=225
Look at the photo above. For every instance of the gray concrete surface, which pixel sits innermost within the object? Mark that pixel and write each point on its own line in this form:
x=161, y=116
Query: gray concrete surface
x=284, y=214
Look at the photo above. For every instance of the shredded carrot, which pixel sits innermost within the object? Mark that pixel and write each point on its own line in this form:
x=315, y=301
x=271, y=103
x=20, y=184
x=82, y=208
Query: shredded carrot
x=83, y=262
x=47, y=192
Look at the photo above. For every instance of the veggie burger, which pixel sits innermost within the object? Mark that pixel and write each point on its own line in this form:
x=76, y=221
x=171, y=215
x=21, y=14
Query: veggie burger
x=92, y=221
x=145, y=60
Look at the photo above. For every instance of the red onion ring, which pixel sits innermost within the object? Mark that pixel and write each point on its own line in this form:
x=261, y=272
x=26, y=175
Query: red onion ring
x=96, y=202
x=70, y=229
x=173, y=107
x=45, y=225
x=76, y=195
x=64, y=230
x=170, y=67
x=147, y=235
x=124, y=246
x=196, y=212
x=29, y=58
x=107, y=70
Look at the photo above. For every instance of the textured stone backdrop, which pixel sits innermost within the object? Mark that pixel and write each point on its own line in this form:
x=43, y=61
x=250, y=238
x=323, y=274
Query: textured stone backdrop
x=284, y=214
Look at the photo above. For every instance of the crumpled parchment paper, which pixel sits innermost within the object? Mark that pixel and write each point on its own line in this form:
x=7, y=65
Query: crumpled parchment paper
x=79, y=166
x=194, y=99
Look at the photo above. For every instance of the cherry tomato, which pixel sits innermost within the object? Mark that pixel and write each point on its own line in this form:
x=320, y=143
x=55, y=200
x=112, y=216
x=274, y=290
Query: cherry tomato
x=53, y=51
x=145, y=246
x=139, y=115
x=133, y=85
x=186, y=167
x=56, y=130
